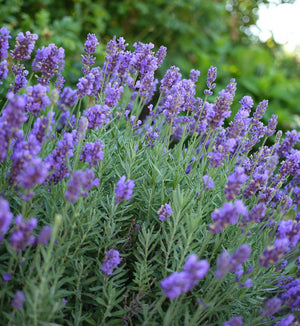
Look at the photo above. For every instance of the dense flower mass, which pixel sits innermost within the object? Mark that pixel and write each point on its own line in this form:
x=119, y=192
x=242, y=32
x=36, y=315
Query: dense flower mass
x=198, y=182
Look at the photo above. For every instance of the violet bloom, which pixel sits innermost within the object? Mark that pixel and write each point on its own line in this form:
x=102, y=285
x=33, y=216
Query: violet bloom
x=5, y=216
x=92, y=153
x=18, y=300
x=21, y=235
x=45, y=235
x=181, y=282
x=234, y=182
x=271, y=307
x=68, y=98
x=232, y=263
x=113, y=94
x=272, y=254
x=6, y=277
x=208, y=182
x=289, y=229
x=124, y=189
x=211, y=77
x=235, y=321
x=37, y=99
x=24, y=46
x=20, y=78
x=82, y=127
x=171, y=77
x=3, y=70
x=226, y=215
x=98, y=116
x=4, y=45
x=49, y=61
x=33, y=172
x=164, y=212
x=288, y=321
x=80, y=183
x=112, y=261
x=90, y=44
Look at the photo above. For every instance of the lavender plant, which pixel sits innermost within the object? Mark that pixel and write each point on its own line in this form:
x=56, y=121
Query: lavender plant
x=184, y=217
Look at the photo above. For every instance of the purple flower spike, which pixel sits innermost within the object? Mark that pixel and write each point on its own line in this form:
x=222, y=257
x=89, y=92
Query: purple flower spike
x=24, y=46
x=4, y=45
x=18, y=300
x=91, y=44
x=208, y=182
x=235, y=321
x=124, y=189
x=271, y=307
x=164, y=212
x=181, y=282
x=45, y=235
x=5, y=216
x=226, y=215
x=37, y=99
x=21, y=236
x=6, y=277
x=49, y=61
x=3, y=70
x=112, y=260
x=67, y=99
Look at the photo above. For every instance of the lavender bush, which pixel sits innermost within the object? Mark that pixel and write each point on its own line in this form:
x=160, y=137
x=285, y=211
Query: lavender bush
x=182, y=218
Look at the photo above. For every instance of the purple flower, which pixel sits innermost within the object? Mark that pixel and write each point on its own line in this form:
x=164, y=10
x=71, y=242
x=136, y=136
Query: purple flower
x=58, y=158
x=233, y=263
x=124, y=189
x=181, y=282
x=98, y=116
x=5, y=216
x=226, y=215
x=113, y=94
x=235, y=321
x=59, y=83
x=194, y=74
x=234, y=182
x=91, y=44
x=18, y=300
x=4, y=45
x=247, y=284
x=164, y=212
x=24, y=46
x=32, y=173
x=208, y=182
x=272, y=254
x=112, y=261
x=67, y=99
x=257, y=214
x=49, y=61
x=6, y=277
x=92, y=153
x=45, y=235
x=286, y=321
x=42, y=127
x=20, y=78
x=80, y=183
x=211, y=77
x=21, y=236
x=3, y=70
x=171, y=77
x=37, y=99
x=289, y=229
x=82, y=127
x=260, y=110
x=271, y=307
x=175, y=284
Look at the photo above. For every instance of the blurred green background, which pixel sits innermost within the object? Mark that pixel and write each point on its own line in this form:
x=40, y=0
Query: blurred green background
x=197, y=33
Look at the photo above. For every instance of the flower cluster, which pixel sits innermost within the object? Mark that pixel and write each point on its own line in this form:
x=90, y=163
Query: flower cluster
x=181, y=282
x=124, y=189
x=164, y=212
x=112, y=260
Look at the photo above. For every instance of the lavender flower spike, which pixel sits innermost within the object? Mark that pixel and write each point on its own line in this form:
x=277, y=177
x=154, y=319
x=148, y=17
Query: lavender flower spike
x=164, y=212
x=18, y=300
x=5, y=216
x=235, y=321
x=112, y=260
x=124, y=189
x=24, y=46
x=4, y=45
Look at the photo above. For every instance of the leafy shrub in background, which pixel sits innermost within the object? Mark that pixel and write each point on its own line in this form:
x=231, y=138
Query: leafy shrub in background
x=190, y=29
x=108, y=218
